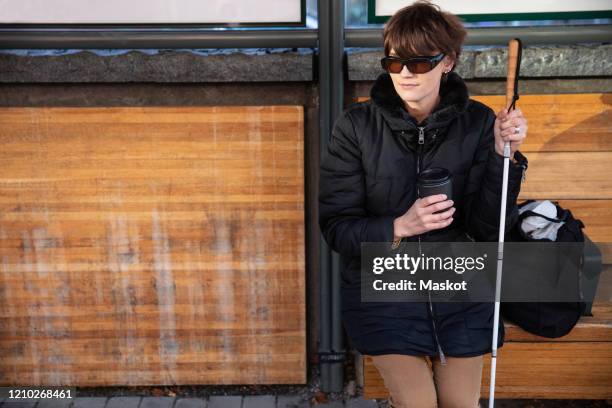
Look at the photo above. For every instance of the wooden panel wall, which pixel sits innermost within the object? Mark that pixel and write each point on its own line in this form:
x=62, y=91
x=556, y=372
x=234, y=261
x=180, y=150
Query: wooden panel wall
x=157, y=245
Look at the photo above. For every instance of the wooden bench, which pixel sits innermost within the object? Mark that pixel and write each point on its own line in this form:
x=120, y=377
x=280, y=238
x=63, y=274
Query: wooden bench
x=569, y=148
x=576, y=366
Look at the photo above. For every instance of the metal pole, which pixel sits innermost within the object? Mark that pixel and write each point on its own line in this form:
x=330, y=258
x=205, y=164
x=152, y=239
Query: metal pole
x=372, y=37
x=172, y=37
x=337, y=105
x=324, y=250
x=331, y=91
x=175, y=37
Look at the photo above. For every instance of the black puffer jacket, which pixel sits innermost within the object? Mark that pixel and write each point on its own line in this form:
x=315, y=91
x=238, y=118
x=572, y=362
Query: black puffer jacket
x=368, y=178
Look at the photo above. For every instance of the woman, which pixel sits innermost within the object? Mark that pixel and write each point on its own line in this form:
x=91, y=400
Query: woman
x=419, y=114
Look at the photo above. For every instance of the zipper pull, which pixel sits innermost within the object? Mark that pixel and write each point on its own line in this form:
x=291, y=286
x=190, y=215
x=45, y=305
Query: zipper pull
x=421, y=135
x=441, y=355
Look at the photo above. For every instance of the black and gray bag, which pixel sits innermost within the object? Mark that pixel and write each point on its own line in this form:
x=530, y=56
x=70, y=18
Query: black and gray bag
x=556, y=319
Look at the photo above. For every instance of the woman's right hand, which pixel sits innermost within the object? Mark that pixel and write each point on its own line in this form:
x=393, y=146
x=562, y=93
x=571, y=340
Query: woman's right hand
x=420, y=218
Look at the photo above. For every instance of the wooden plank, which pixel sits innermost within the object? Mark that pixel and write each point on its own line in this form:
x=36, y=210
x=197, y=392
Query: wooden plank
x=603, y=295
x=192, y=373
x=561, y=122
x=563, y=370
x=160, y=245
x=581, y=370
x=374, y=385
x=596, y=216
x=571, y=176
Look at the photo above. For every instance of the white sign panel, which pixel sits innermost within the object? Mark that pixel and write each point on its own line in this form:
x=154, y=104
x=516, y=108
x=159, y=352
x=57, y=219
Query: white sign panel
x=150, y=11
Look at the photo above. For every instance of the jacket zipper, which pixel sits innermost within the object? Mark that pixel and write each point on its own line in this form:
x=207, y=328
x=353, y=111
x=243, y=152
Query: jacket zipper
x=431, y=311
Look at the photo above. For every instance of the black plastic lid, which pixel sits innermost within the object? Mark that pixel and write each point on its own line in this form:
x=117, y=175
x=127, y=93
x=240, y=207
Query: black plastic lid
x=434, y=175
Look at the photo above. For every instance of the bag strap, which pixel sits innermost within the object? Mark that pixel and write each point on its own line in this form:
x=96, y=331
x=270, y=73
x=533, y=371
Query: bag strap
x=530, y=213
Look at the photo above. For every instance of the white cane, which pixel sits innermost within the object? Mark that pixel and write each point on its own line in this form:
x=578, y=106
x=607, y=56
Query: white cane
x=514, y=54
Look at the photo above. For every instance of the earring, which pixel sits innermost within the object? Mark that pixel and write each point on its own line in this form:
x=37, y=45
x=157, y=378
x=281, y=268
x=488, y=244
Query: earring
x=444, y=76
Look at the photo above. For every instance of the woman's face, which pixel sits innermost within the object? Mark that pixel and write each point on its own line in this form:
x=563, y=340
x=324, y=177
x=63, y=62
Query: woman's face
x=415, y=87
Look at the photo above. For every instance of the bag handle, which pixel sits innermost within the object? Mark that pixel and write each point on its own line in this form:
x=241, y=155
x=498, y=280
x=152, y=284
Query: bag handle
x=530, y=213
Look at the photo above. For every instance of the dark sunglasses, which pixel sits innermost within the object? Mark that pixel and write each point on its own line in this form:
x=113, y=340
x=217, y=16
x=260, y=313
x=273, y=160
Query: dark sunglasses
x=416, y=65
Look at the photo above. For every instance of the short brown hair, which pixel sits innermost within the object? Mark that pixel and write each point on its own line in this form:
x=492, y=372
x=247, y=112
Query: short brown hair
x=421, y=29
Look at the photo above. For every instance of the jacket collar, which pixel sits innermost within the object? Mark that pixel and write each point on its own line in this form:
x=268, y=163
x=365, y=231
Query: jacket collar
x=454, y=98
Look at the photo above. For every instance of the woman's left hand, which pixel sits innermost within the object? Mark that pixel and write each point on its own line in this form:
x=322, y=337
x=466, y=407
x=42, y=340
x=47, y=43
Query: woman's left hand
x=510, y=127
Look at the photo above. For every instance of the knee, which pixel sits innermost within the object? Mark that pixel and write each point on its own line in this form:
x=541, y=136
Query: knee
x=458, y=384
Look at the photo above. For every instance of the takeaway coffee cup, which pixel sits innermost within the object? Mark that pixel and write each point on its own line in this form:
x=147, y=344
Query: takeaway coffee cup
x=435, y=180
